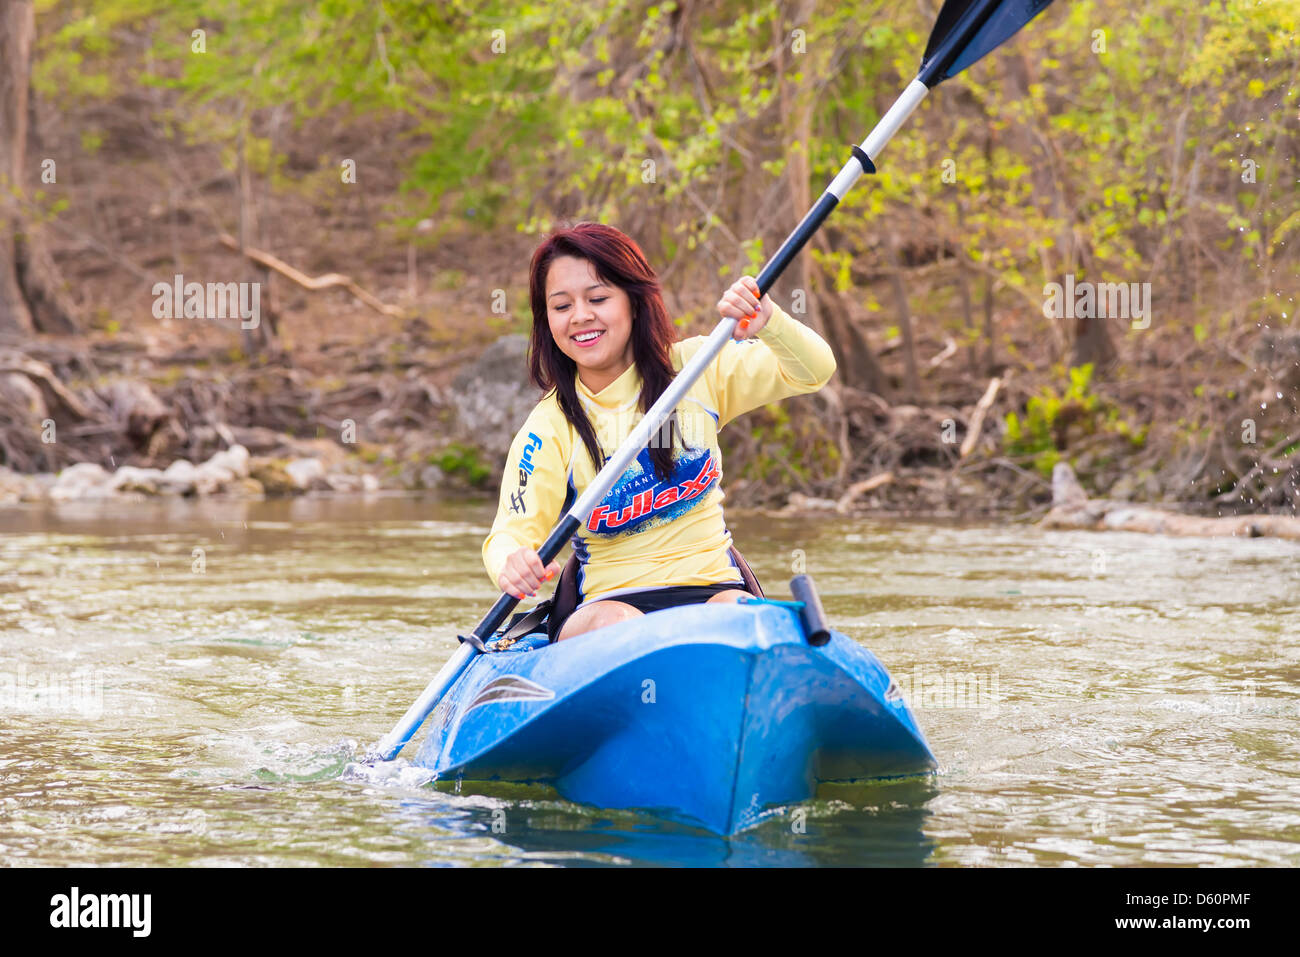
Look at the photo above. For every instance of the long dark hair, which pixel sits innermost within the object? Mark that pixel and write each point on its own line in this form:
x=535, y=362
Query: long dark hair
x=617, y=261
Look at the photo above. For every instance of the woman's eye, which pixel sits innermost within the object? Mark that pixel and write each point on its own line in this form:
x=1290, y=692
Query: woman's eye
x=593, y=301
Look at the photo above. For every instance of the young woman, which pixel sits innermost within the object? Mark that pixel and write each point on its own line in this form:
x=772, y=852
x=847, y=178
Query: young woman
x=603, y=350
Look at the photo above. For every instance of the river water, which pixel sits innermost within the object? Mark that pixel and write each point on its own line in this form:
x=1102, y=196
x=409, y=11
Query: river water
x=190, y=684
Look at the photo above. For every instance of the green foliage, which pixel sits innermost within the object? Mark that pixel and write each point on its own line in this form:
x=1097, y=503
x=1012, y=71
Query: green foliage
x=1036, y=436
x=513, y=112
x=1042, y=435
x=788, y=444
x=449, y=279
x=463, y=461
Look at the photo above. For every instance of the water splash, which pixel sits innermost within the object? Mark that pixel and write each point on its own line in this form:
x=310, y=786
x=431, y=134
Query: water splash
x=299, y=765
x=398, y=773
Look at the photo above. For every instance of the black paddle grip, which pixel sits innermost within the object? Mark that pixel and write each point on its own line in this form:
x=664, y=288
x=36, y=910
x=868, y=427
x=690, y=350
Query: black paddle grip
x=493, y=620
x=812, y=616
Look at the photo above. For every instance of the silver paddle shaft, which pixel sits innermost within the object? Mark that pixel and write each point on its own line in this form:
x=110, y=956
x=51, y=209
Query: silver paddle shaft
x=393, y=742
x=884, y=131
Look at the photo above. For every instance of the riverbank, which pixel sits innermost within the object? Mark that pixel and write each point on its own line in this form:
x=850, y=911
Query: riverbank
x=107, y=416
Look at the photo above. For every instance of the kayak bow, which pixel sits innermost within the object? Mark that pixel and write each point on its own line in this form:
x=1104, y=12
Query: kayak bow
x=707, y=714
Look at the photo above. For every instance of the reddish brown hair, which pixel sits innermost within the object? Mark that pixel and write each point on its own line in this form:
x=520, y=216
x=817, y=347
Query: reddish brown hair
x=617, y=261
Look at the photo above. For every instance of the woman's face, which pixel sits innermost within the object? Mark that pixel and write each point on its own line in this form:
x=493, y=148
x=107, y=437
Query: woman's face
x=578, y=304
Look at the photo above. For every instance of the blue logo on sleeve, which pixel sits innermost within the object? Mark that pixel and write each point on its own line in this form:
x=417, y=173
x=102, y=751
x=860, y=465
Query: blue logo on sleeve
x=526, y=467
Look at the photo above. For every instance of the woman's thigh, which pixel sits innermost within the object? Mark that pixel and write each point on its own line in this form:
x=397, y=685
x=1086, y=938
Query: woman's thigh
x=734, y=594
x=596, y=615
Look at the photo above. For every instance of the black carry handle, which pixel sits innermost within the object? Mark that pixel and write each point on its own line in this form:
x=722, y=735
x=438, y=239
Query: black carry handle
x=812, y=616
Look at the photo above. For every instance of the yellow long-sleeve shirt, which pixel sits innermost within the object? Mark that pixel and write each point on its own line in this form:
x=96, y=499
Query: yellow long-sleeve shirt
x=648, y=533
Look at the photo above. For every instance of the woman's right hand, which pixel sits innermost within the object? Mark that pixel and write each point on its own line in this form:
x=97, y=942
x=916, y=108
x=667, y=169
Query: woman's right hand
x=524, y=573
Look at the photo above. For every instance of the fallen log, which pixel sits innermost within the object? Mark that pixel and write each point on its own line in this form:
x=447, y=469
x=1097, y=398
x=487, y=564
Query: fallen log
x=858, y=489
x=949, y=350
x=328, y=281
x=976, y=427
x=1071, y=508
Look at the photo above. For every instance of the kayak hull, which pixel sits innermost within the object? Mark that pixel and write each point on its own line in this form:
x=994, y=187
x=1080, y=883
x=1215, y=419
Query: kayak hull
x=706, y=714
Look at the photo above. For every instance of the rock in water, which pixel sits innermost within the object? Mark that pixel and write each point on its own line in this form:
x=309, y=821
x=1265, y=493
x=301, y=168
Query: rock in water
x=178, y=478
x=307, y=474
x=1067, y=493
x=233, y=459
x=16, y=487
x=128, y=478
x=223, y=470
x=1071, y=508
x=347, y=482
x=81, y=481
x=274, y=479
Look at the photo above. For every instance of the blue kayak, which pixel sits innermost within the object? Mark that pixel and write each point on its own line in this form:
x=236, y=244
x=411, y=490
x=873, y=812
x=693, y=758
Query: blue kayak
x=707, y=714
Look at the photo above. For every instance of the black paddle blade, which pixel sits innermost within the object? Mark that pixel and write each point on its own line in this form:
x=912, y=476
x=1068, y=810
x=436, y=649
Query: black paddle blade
x=968, y=29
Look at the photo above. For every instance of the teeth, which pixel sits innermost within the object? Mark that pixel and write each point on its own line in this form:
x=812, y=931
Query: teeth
x=586, y=336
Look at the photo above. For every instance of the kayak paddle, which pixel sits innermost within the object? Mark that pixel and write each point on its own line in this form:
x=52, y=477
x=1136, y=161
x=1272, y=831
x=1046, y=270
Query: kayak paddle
x=965, y=31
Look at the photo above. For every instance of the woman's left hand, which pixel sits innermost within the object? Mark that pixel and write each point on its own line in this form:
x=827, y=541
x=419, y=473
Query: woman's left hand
x=742, y=302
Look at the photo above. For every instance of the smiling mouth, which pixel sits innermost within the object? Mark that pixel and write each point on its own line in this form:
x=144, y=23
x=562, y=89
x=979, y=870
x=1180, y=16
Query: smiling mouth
x=588, y=337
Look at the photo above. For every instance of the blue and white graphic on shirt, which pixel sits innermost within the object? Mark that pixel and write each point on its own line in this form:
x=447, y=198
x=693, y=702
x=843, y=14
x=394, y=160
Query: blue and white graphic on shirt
x=639, y=500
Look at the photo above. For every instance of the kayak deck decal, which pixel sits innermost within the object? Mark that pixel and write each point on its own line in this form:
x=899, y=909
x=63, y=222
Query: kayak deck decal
x=510, y=688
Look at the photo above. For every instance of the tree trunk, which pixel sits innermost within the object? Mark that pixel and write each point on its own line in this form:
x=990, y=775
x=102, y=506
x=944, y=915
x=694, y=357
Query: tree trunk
x=1092, y=339
x=958, y=253
x=828, y=311
x=31, y=297
x=796, y=115
x=15, y=48
x=856, y=365
x=989, y=355
x=257, y=340
x=1093, y=345
x=911, y=379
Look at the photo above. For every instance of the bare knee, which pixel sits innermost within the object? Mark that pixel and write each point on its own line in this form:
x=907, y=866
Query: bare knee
x=734, y=594
x=597, y=615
